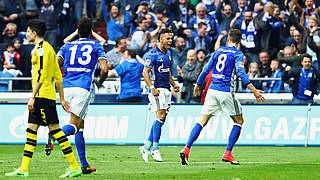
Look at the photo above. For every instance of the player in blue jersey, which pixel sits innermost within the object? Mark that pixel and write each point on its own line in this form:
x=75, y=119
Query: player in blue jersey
x=159, y=62
x=225, y=63
x=80, y=58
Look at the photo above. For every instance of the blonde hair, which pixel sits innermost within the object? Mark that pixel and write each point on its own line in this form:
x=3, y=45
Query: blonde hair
x=254, y=63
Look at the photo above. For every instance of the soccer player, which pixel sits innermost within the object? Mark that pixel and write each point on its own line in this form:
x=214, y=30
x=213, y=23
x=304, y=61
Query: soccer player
x=80, y=58
x=225, y=62
x=42, y=103
x=159, y=61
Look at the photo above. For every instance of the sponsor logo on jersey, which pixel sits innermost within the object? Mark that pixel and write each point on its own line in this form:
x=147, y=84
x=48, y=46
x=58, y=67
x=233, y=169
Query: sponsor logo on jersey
x=163, y=70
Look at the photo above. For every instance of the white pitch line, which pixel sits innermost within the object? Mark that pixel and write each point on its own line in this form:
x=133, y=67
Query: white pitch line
x=214, y=162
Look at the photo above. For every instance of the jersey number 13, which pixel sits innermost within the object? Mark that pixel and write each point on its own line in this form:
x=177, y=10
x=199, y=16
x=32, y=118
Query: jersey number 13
x=86, y=54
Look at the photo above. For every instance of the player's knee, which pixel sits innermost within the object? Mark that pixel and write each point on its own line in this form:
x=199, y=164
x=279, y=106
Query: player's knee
x=238, y=119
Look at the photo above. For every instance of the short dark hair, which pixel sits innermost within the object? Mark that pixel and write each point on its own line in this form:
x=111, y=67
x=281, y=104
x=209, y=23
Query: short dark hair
x=38, y=26
x=118, y=40
x=132, y=53
x=202, y=24
x=140, y=19
x=164, y=31
x=84, y=27
x=235, y=35
x=307, y=56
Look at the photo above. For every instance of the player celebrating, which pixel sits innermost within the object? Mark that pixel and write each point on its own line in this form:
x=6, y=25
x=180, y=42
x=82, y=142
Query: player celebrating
x=224, y=62
x=42, y=103
x=80, y=58
x=159, y=61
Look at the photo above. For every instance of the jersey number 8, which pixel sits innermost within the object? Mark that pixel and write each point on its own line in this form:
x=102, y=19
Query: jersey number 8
x=221, y=62
x=86, y=52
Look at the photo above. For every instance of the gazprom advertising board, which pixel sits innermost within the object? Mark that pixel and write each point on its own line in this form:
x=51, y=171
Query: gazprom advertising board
x=126, y=124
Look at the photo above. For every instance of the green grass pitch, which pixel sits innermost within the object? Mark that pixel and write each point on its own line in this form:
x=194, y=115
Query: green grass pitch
x=125, y=162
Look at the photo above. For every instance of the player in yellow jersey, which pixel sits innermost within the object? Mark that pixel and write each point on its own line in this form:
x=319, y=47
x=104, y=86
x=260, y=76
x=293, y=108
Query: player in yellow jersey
x=42, y=103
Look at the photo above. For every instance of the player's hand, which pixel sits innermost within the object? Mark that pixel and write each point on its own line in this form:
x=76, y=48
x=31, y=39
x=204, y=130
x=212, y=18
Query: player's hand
x=31, y=104
x=196, y=91
x=155, y=91
x=65, y=105
x=176, y=88
x=259, y=96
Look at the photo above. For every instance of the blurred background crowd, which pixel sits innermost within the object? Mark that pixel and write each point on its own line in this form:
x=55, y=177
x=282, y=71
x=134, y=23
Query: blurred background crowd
x=276, y=34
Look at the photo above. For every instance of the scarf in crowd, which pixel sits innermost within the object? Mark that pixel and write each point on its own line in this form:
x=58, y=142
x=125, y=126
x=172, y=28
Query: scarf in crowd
x=183, y=16
x=247, y=34
x=308, y=14
x=199, y=42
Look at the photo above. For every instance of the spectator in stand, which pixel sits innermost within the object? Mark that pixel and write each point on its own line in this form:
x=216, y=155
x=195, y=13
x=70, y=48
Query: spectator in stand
x=142, y=10
x=179, y=55
x=202, y=57
x=9, y=33
x=150, y=24
x=274, y=86
x=171, y=23
x=21, y=66
x=310, y=10
x=153, y=44
x=130, y=71
x=116, y=22
x=14, y=12
x=140, y=38
x=225, y=13
x=289, y=40
x=48, y=12
x=298, y=40
x=11, y=59
x=203, y=16
x=201, y=39
x=249, y=28
x=289, y=57
x=312, y=26
x=264, y=66
x=186, y=10
x=305, y=83
x=115, y=56
x=270, y=26
x=189, y=73
x=242, y=7
x=253, y=73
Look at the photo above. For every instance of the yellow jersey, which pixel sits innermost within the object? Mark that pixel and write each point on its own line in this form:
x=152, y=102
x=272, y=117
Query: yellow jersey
x=45, y=70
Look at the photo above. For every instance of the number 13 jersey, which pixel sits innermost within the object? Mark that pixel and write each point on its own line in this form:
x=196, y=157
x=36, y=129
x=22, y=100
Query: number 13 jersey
x=225, y=63
x=80, y=59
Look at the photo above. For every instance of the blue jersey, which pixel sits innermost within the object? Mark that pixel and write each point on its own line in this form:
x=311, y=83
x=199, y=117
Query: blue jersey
x=80, y=59
x=161, y=65
x=130, y=72
x=225, y=62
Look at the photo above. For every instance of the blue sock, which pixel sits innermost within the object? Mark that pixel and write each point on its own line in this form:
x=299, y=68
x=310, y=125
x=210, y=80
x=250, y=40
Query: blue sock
x=148, y=144
x=69, y=129
x=234, y=136
x=80, y=144
x=156, y=134
x=194, y=134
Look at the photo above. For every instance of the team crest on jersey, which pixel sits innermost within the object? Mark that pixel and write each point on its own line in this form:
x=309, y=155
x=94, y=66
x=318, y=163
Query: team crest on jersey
x=161, y=60
x=148, y=62
x=241, y=64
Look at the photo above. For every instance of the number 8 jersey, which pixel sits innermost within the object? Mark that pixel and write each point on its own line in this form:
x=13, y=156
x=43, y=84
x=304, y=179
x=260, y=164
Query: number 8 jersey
x=80, y=59
x=225, y=63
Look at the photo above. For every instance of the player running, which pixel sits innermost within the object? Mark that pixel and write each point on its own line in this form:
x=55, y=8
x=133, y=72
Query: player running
x=80, y=58
x=42, y=103
x=159, y=62
x=225, y=63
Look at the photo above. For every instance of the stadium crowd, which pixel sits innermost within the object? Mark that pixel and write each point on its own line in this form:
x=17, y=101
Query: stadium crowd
x=276, y=36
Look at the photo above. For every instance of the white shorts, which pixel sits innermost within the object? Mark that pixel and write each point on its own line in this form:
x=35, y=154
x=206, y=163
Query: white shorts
x=219, y=101
x=163, y=101
x=78, y=99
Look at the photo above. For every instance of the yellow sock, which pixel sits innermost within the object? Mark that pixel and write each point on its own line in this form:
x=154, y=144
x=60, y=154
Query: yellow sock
x=66, y=148
x=29, y=148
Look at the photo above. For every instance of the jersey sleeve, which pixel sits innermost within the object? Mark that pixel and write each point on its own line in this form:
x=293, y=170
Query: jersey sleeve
x=100, y=51
x=120, y=68
x=205, y=71
x=239, y=65
x=62, y=51
x=150, y=60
